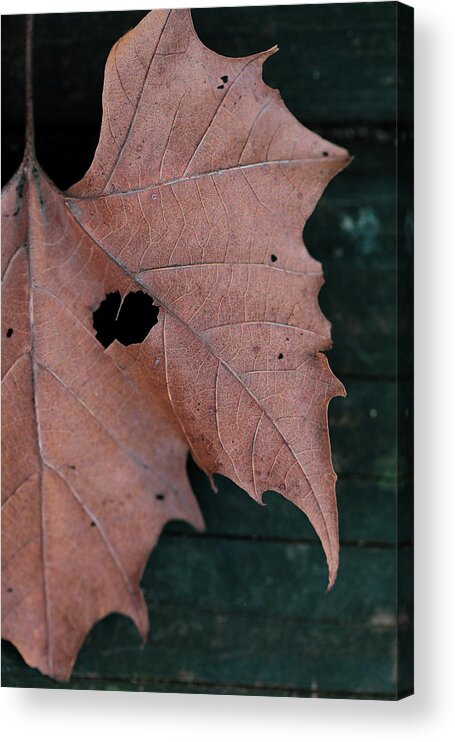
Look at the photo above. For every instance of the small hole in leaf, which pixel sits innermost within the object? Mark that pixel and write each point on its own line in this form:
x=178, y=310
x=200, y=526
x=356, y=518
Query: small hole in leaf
x=9, y=332
x=325, y=154
x=159, y=497
x=280, y=356
x=93, y=524
x=129, y=323
x=273, y=258
x=220, y=87
x=224, y=78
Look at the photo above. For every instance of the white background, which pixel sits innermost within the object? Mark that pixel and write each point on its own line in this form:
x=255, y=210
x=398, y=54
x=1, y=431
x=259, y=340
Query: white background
x=75, y=715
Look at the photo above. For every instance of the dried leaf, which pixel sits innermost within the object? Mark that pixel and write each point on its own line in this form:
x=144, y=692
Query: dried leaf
x=198, y=192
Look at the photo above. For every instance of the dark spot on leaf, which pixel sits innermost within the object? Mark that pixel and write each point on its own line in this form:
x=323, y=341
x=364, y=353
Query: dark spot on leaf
x=273, y=258
x=93, y=524
x=325, y=154
x=72, y=466
x=9, y=589
x=220, y=87
x=9, y=332
x=159, y=497
x=224, y=78
x=280, y=356
x=128, y=322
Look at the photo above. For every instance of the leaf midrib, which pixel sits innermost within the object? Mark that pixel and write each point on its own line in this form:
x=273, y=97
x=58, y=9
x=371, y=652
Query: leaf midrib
x=341, y=159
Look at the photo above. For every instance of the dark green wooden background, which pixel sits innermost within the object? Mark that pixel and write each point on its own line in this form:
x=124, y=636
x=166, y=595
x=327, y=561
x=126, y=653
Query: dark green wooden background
x=242, y=608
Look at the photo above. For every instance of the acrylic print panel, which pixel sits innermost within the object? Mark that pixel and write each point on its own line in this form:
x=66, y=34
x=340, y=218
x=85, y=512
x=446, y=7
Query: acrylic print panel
x=240, y=606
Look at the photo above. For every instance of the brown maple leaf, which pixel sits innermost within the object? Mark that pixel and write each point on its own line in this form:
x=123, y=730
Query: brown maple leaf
x=197, y=194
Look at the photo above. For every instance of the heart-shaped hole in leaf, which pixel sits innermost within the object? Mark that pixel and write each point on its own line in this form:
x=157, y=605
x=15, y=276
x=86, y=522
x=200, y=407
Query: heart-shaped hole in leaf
x=128, y=322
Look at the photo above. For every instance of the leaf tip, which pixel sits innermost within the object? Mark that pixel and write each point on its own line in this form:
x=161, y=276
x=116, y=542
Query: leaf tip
x=333, y=571
x=213, y=484
x=269, y=52
x=198, y=522
x=143, y=628
x=141, y=618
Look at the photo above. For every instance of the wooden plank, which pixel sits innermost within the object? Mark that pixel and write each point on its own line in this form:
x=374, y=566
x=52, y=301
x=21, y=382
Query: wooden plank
x=362, y=307
x=367, y=511
x=215, y=688
x=252, y=613
x=203, y=648
x=326, y=81
x=273, y=578
x=363, y=429
x=354, y=223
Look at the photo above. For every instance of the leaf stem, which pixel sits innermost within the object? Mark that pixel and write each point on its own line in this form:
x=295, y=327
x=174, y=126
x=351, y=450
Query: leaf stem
x=29, y=151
